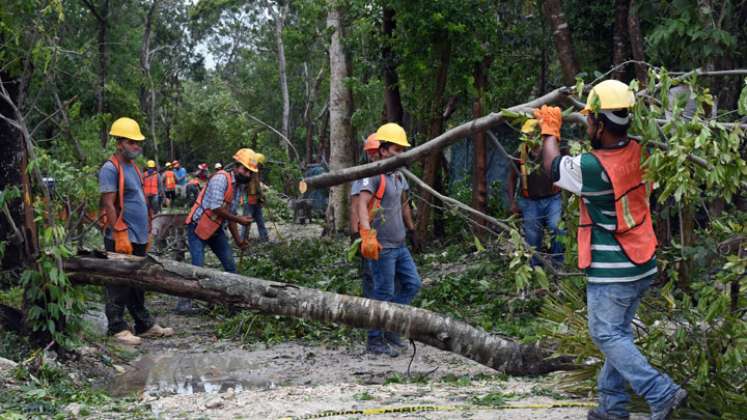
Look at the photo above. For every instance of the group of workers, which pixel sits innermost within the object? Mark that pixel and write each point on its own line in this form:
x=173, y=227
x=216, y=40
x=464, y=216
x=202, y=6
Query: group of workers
x=616, y=241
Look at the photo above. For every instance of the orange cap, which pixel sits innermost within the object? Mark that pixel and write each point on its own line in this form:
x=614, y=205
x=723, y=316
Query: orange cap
x=371, y=143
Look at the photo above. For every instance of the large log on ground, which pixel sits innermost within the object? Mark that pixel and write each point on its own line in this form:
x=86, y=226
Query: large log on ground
x=174, y=278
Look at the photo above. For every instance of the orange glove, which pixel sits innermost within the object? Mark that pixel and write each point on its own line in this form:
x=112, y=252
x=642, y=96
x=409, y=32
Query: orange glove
x=370, y=246
x=122, y=244
x=550, y=119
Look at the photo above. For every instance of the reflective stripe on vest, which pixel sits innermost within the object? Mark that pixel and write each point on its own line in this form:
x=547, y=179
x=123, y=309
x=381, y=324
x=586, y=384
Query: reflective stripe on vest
x=169, y=180
x=150, y=184
x=634, y=230
x=227, y=199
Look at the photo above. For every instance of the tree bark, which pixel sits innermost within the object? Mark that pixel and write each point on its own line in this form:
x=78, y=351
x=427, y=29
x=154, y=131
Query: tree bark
x=340, y=127
x=279, y=23
x=479, y=175
x=147, y=90
x=636, y=43
x=432, y=165
x=445, y=333
x=392, y=99
x=312, y=87
x=102, y=19
x=437, y=143
x=620, y=38
x=563, y=42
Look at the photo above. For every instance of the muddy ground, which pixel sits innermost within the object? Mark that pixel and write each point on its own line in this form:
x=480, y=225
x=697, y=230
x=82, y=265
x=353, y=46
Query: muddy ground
x=196, y=375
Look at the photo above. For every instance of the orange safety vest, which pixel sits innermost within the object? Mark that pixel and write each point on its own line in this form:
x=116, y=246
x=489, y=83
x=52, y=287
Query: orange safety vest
x=119, y=224
x=150, y=184
x=633, y=230
x=375, y=204
x=524, y=156
x=169, y=180
x=253, y=191
x=210, y=222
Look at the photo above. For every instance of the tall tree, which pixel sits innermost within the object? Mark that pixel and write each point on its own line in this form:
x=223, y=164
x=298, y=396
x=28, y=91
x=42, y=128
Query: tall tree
x=280, y=16
x=392, y=99
x=620, y=50
x=340, y=127
x=636, y=42
x=479, y=166
x=553, y=11
x=147, y=89
x=101, y=14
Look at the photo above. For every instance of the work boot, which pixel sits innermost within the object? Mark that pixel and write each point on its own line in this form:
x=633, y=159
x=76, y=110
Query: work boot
x=184, y=306
x=668, y=408
x=394, y=340
x=158, y=331
x=598, y=414
x=126, y=337
x=377, y=345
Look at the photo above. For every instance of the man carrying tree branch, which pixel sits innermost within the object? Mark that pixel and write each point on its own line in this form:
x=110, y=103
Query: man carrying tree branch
x=616, y=245
x=383, y=215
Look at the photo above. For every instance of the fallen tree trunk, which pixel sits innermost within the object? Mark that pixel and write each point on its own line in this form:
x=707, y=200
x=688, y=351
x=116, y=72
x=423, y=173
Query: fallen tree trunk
x=416, y=153
x=170, y=277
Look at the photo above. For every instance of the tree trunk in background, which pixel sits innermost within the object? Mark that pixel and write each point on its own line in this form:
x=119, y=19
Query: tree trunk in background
x=563, y=42
x=432, y=165
x=479, y=161
x=340, y=128
x=636, y=43
x=392, y=99
x=102, y=18
x=620, y=38
x=284, y=299
x=279, y=22
x=17, y=226
x=147, y=90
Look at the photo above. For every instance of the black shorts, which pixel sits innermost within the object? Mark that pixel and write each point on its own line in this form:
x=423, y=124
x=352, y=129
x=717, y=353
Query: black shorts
x=171, y=194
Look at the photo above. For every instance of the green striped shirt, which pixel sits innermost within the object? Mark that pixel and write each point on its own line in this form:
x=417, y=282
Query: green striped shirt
x=583, y=175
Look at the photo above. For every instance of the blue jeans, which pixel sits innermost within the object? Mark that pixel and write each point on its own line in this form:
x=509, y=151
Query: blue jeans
x=255, y=211
x=538, y=214
x=611, y=308
x=395, y=266
x=218, y=243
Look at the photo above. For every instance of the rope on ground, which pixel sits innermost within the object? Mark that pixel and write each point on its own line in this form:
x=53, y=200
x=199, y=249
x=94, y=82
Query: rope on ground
x=420, y=408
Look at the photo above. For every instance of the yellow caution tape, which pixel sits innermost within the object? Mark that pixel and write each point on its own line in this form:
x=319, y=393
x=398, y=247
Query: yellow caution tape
x=419, y=408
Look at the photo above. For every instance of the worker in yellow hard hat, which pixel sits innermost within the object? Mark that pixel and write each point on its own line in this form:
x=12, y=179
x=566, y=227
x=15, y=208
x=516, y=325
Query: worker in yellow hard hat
x=216, y=207
x=539, y=201
x=126, y=220
x=616, y=245
x=169, y=184
x=385, y=217
x=254, y=200
x=152, y=186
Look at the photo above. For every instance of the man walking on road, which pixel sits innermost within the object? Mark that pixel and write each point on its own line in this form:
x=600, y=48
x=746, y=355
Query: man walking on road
x=616, y=246
x=383, y=216
x=126, y=231
x=216, y=207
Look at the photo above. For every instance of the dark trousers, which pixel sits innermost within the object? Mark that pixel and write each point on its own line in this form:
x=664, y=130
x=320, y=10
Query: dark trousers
x=133, y=298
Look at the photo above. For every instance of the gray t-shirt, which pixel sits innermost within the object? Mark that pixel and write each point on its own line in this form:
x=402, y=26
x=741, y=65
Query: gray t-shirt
x=388, y=221
x=135, y=208
x=355, y=187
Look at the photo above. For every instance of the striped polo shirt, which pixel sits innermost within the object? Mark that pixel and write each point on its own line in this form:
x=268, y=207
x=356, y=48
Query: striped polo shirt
x=583, y=175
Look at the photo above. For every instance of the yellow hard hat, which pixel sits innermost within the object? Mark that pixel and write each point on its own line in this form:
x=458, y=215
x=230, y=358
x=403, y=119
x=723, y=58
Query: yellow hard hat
x=392, y=133
x=151, y=164
x=611, y=94
x=168, y=164
x=260, y=158
x=218, y=166
x=529, y=126
x=246, y=157
x=127, y=128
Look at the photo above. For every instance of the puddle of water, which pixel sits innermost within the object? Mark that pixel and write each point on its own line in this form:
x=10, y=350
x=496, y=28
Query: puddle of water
x=188, y=373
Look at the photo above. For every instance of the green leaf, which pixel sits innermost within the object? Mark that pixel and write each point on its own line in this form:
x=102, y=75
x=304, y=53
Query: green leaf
x=478, y=244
